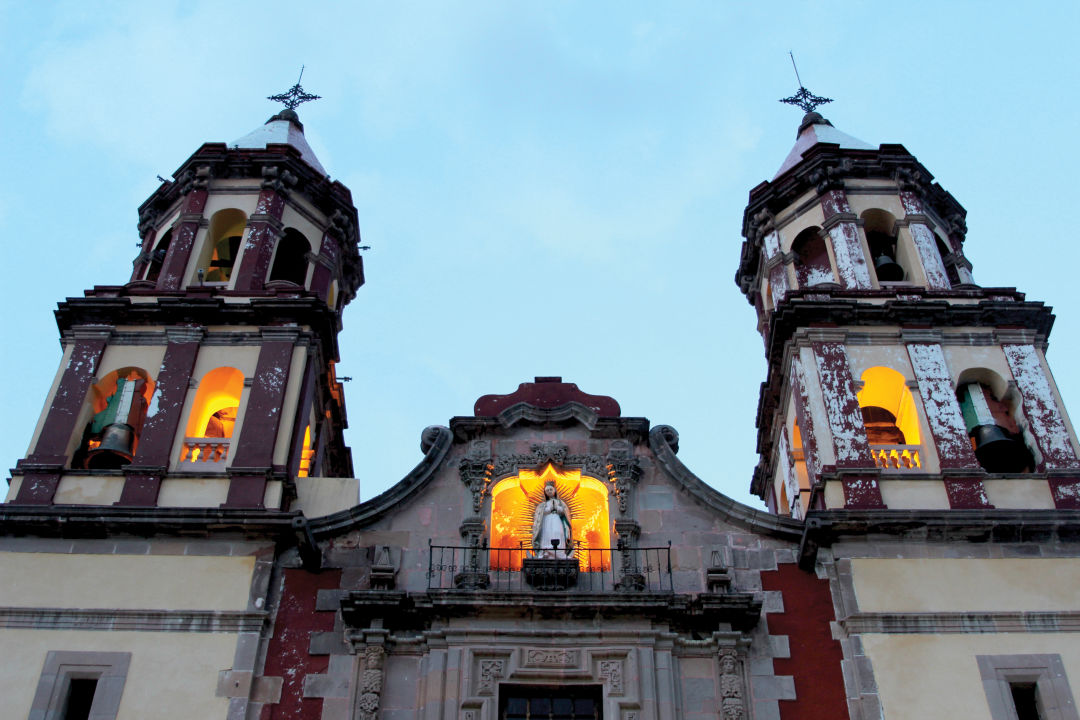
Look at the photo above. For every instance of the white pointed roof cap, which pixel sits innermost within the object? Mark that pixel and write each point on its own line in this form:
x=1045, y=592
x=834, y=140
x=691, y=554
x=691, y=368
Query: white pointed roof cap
x=285, y=129
x=815, y=129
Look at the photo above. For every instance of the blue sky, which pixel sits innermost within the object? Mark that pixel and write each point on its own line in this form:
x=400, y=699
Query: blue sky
x=548, y=188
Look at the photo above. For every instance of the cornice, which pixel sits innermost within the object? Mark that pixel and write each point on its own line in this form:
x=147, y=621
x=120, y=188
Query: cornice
x=823, y=528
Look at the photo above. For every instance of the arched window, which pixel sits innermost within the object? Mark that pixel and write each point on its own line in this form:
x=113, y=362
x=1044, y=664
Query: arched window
x=290, y=259
x=157, y=256
x=213, y=417
x=880, y=228
x=949, y=260
x=222, y=245
x=514, y=501
x=812, y=266
x=890, y=418
x=307, y=453
x=118, y=402
x=995, y=435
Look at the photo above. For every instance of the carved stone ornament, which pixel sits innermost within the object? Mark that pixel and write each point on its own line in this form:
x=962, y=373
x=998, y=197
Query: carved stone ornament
x=761, y=223
x=475, y=470
x=830, y=177
x=371, y=681
x=491, y=671
x=277, y=179
x=340, y=222
x=550, y=452
x=611, y=671
x=147, y=218
x=197, y=179
x=551, y=658
x=624, y=470
x=731, y=685
x=912, y=180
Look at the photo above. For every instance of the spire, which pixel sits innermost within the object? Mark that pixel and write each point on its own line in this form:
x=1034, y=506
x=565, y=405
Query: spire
x=285, y=127
x=816, y=129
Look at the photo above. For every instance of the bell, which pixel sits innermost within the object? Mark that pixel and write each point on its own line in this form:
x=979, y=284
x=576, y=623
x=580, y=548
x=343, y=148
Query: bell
x=998, y=451
x=888, y=270
x=117, y=448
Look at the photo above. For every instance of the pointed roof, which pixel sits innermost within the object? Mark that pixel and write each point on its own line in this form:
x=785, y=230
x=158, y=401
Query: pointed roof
x=284, y=128
x=815, y=129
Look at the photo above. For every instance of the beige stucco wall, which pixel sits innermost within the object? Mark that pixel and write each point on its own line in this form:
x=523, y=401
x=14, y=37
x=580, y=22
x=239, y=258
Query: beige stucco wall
x=1019, y=492
x=900, y=494
x=88, y=490
x=64, y=360
x=288, y=405
x=927, y=677
x=321, y=496
x=174, y=582
x=962, y=585
x=171, y=675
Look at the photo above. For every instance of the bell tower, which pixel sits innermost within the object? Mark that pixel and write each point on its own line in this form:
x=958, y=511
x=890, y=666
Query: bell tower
x=894, y=380
x=208, y=379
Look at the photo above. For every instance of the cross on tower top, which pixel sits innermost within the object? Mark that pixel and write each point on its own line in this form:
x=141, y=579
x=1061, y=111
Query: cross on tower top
x=804, y=98
x=294, y=96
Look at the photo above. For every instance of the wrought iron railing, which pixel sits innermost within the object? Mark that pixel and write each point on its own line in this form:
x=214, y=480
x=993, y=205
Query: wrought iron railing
x=588, y=570
x=897, y=457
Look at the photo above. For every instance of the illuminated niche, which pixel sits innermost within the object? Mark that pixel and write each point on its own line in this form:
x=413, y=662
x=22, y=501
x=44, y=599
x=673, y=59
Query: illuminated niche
x=890, y=419
x=514, y=501
x=213, y=415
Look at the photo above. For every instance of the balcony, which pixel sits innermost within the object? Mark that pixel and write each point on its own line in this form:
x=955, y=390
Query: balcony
x=204, y=454
x=589, y=570
x=897, y=458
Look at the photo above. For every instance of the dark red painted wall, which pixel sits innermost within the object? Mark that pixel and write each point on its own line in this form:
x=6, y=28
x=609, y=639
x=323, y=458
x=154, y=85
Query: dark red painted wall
x=287, y=654
x=815, y=656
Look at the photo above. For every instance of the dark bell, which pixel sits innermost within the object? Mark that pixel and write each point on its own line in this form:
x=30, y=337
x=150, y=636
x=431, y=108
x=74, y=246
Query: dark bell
x=998, y=451
x=117, y=448
x=888, y=269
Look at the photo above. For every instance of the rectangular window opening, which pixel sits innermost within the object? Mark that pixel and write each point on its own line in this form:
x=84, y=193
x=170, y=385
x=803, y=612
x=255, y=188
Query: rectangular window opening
x=80, y=698
x=550, y=702
x=1026, y=700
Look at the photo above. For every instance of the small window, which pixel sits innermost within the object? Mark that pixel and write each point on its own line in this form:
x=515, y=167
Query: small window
x=812, y=266
x=80, y=686
x=1027, y=687
x=222, y=246
x=290, y=260
x=562, y=702
x=881, y=238
x=157, y=257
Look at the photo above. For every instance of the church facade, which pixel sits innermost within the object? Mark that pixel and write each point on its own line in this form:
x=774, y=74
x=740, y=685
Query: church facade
x=183, y=538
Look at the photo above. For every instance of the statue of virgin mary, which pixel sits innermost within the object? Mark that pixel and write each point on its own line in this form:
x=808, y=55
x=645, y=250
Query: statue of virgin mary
x=551, y=521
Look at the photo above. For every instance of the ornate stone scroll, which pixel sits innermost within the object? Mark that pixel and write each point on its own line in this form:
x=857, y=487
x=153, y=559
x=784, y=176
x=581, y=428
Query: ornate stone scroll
x=549, y=452
x=611, y=672
x=475, y=470
x=371, y=681
x=491, y=671
x=623, y=471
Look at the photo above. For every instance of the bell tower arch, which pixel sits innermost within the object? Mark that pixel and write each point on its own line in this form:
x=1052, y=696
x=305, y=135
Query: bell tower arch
x=894, y=380
x=208, y=379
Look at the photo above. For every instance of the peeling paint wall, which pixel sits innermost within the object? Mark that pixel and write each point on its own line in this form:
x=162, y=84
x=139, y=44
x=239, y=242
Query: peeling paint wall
x=941, y=407
x=1041, y=407
x=848, y=252
x=841, y=406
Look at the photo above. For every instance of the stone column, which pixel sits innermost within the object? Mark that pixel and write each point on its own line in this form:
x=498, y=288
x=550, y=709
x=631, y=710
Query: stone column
x=143, y=476
x=264, y=229
x=947, y=426
x=1047, y=423
x=925, y=242
x=840, y=222
x=193, y=186
x=850, y=446
x=43, y=467
x=253, y=457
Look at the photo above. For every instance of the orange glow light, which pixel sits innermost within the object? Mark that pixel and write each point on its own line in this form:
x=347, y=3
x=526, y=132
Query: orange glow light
x=514, y=500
